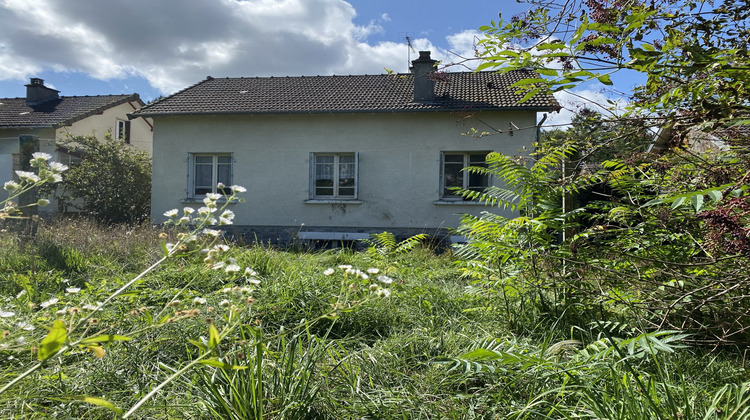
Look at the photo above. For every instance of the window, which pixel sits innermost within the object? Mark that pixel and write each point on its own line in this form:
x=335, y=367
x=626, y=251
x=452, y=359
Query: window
x=453, y=174
x=123, y=131
x=333, y=175
x=206, y=171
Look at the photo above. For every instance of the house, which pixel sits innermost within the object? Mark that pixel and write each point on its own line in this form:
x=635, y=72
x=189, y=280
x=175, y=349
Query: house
x=338, y=157
x=38, y=123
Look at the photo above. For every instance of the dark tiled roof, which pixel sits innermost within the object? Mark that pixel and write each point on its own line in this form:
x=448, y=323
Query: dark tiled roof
x=56, y=112
x=365, y=93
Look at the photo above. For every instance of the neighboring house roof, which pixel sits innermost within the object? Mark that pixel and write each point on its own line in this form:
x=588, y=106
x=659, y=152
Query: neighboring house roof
x=460, y=91
x=57, y=112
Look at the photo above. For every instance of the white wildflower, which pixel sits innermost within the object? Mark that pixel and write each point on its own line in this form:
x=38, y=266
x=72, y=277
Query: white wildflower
x=232, y=268
x=253, y=281
x=188, y=210
x=224, y=221
x=57, y=167
x=184, y=220
x=328, y=271
x=7, y=314
x=199, y=301
x=42, y=202
x=62, y=312
x=360, y=274
x=48, y=303
x=171, y=213
x=250, y=272
x=224, y=303
x=21, y=293
x=221, y=247
x=27, y=176
x=220, y=186
x=41, y=156
x=385, y=279
x=25, y=326
x=11, y=186
x=384, y=293
x=238, y=189
x=90, y=307
x=211, y=232
x=228, y=214
x=56, y=177
x=205, y=211
x=72, y=290
x=345, y=267
x=218, y=265
x=373, y=271
x=213, y=196
x=245, y=290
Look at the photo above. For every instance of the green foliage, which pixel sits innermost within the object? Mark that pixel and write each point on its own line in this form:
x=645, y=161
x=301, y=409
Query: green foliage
x=693, y=52
x=112, y=182
x=384, y=245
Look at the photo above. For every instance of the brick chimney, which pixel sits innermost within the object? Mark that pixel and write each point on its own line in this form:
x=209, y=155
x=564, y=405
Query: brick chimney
x=37, y=93
x=424, y=86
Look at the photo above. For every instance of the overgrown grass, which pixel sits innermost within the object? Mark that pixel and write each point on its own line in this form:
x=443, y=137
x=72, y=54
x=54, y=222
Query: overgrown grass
x=439, y=346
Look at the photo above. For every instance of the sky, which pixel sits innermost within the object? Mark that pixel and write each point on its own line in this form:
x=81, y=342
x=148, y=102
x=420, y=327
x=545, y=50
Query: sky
x=158, y=47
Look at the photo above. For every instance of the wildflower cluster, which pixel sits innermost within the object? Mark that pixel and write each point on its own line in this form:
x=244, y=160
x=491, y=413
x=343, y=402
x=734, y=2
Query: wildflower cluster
x=46, y=173
x=369, y=282
x=201, y=236
x=203, y=239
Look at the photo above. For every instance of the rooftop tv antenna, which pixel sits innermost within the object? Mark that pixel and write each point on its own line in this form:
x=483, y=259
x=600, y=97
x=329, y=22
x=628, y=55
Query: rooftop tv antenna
x=409, y=48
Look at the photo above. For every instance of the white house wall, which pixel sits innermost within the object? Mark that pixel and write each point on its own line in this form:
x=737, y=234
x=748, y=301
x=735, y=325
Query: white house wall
x=399, y=164
x=106, y=122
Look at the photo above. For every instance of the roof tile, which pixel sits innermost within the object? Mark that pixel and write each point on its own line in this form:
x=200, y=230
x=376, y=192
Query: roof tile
x=363, y=93
x=15, y=113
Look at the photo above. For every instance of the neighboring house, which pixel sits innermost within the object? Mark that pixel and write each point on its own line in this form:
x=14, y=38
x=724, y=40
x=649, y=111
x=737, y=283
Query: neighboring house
x=338, y=157
x=41, y=120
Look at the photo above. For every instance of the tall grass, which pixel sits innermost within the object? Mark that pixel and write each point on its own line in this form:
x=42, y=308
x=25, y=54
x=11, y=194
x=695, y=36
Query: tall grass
x=440, y=346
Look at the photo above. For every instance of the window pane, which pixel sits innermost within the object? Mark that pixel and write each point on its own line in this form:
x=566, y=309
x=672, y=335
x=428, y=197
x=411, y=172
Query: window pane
x=452, y=175
x=203, y=175
x=204, y=159
x=454, y=158
x=346, y=192
x=477, y=182
x=224, y=173
x=477, y=159
x=225, y=159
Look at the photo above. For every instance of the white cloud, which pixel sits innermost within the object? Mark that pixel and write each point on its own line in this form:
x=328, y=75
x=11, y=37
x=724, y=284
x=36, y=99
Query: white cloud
x=176, y=43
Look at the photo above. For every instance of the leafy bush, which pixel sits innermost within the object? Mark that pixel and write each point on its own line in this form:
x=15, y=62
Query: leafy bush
x=112, y=182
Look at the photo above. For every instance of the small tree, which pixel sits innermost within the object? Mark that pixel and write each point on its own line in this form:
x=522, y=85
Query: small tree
x=112, y=182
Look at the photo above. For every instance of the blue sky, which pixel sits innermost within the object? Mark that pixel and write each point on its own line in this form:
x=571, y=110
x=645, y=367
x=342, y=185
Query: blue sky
x=156, y=47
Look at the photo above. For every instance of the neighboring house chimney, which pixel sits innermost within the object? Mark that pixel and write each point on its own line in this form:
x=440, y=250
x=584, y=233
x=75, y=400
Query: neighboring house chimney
x=424, y=86
x=36, y=92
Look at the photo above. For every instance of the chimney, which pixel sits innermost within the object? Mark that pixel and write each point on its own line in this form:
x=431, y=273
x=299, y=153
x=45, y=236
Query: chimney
x=37, y=93
x=424, y=87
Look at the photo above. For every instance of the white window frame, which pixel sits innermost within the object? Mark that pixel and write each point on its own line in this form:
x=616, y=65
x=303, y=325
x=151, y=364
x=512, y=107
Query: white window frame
x=336, y=175
x=122, y=130
x=465, y=178
x=191, y=177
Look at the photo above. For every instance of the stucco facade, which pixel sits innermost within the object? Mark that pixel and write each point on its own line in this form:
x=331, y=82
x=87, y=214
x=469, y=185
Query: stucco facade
x=399, y=166
x=106, y=122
